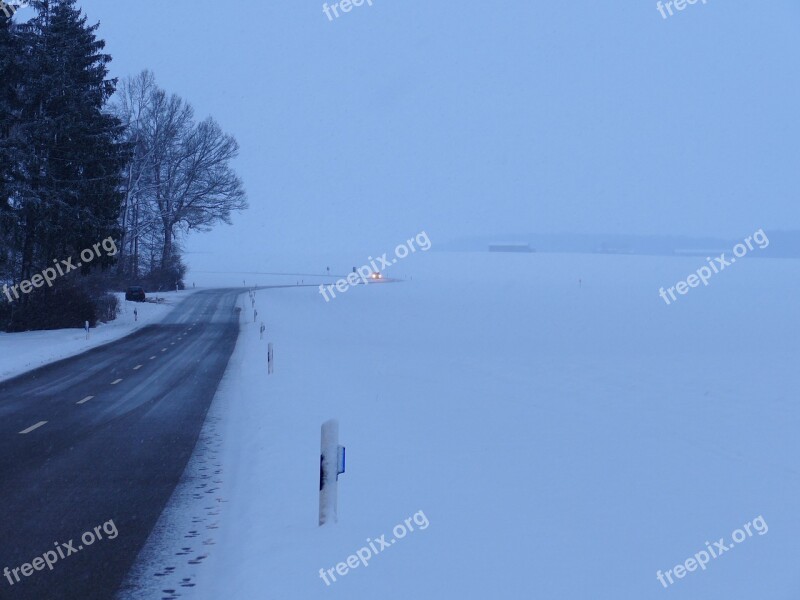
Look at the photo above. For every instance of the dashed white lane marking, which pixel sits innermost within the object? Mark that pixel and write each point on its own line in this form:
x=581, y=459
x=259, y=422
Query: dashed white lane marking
x=116, y=382
x=163, y=349
x=137, y=367
x=152, y=358
x=172, y=343
x=84, y=400
x=32, y=427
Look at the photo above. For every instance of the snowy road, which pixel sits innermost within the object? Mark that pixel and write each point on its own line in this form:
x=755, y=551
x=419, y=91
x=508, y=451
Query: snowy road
x=104, y=436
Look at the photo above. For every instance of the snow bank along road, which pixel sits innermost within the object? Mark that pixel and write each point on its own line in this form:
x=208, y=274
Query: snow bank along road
x=104, y=436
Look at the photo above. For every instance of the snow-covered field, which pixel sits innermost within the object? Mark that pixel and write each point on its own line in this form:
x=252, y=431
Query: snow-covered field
x=22, y=352
x=561, y=441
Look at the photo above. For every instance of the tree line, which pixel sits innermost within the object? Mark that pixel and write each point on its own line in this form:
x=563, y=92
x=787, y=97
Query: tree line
x=84, y=158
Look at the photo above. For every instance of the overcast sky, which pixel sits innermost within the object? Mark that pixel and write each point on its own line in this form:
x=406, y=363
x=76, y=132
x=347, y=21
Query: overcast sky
x=470, y=117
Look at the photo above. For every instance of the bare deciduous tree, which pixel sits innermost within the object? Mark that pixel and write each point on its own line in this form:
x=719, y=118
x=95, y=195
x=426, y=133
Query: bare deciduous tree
x=180, y=176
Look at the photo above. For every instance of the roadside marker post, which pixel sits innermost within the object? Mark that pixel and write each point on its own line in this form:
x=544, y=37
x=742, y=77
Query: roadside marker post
x=340, y=461
x=331, y=465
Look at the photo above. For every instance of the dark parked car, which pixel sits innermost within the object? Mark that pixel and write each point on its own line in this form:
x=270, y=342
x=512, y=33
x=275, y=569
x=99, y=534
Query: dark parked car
x=135, y=293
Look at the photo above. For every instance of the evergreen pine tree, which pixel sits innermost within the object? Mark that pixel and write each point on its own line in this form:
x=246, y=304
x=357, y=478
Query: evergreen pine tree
x=72, y=199
x=12, y=55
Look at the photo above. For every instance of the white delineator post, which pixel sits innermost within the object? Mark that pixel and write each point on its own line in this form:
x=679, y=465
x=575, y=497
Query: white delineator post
x=328, y=472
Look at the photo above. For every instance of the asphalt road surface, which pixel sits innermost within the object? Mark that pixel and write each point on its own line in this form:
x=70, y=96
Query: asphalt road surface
x=102, y=438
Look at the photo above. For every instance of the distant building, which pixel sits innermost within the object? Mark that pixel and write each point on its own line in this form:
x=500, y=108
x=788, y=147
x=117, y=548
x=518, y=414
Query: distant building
x=510, y=248
x=699, y=252
x=611, y=248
